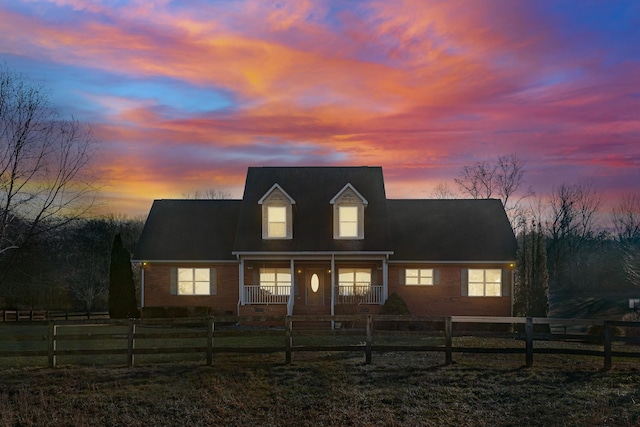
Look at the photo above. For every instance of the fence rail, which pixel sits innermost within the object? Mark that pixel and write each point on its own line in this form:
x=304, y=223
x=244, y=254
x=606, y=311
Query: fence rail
x=138, y=337
x=31, y=315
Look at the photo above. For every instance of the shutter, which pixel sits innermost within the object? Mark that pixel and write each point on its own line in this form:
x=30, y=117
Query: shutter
x=256, y=276
x=464, y=281
x=296, y=284
x=436, y=276
x=213, y=281
x=173, y=281
x=402, y=276
x=506, y=282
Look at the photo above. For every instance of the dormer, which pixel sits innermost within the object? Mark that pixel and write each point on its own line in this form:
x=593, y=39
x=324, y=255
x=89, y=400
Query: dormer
x=277, y=214
x=348, y=214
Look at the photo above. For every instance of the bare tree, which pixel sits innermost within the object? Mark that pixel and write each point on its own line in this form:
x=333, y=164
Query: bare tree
x=502, y=179
x=44, y=161
x=210, y=194
x=626, y=218
x=478, y=180
x=572, y=222
x=442, y=191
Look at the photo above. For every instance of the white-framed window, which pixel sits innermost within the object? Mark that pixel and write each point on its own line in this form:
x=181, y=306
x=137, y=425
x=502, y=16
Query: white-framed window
x=485, y=282
x=275, y=281
x=194, y=281
x=276, y=221
x=418, y=276
x=354, y=281
x=348, y=221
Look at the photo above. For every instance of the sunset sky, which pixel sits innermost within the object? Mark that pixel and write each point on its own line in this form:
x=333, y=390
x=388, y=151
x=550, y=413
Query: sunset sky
x=185, y=95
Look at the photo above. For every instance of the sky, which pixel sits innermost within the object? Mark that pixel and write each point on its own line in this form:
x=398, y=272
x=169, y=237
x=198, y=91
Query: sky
x=185, y=95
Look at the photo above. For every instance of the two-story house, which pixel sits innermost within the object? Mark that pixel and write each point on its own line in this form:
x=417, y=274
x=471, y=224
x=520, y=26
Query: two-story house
x=326, y=240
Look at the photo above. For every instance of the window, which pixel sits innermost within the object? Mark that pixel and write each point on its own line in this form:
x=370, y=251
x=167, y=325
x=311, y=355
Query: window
x=419, y=276
x=275, y=281
x=194, y=281
x=348, y=213
x=277, y=221
x=348, y=221
x=277, y=214
x=354, y=281
x=485, y=283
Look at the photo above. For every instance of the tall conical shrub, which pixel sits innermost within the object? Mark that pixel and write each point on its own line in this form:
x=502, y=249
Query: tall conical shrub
x=122, y=291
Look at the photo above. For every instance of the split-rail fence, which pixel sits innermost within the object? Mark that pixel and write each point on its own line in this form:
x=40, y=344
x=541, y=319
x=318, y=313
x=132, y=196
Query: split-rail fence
x=205, y=332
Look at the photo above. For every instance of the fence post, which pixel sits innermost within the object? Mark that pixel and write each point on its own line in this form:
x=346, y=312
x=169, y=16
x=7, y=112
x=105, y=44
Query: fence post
x=210, y=327
x=448, y=330
x=607, y=346
x=131, y=343
x=288, y=324
x=51, y=344
x=369, y=339
x=528, y=330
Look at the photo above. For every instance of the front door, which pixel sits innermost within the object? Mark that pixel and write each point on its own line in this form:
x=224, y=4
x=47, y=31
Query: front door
x=314, y=287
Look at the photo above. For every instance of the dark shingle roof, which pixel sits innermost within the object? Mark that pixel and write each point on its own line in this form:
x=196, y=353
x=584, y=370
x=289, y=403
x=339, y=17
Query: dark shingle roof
x=451, y=230
x=189, y=230
x=312, y=188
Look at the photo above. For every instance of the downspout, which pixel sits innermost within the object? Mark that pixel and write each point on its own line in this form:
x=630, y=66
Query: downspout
x=385, y=280
x=513, y=286
x=241, y=300
x=142, y=285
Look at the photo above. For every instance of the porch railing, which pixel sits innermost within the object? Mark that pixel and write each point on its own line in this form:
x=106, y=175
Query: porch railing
x=256, y=294
x=359, y=293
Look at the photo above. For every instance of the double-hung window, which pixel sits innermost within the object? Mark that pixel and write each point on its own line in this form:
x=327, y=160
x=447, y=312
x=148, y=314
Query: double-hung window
x=354, y=281
x=194, y=281
x=419, y=276
x=485, y=282
x=348, y=220
x=275, y=281
x=277, y=221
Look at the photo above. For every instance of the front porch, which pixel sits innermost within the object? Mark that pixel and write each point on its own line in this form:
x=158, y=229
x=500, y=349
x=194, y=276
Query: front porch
x=311, y=285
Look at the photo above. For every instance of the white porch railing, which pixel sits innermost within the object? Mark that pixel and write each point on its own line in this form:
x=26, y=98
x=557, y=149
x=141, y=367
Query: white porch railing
x=359, y=293
x=255, y=294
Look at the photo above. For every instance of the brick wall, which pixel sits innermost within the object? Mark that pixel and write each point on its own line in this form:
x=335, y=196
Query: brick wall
x=157, y=292
x=445, y=299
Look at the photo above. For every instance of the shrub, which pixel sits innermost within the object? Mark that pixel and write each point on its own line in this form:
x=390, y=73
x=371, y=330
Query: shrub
x=394, y=305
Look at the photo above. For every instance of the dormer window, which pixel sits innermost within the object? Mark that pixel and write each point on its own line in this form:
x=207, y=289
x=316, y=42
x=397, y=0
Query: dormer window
x=277, y=214
x=348, y=213
x=348, y=219
x=277, y=221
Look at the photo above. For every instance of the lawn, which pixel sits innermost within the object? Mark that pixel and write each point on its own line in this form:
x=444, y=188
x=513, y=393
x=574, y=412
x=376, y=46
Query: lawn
x=331, y=389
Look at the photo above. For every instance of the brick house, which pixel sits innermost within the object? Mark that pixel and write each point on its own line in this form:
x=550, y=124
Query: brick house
x=326, y=240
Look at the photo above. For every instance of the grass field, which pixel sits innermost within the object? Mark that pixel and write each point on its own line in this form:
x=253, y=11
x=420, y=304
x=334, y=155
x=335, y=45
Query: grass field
x=330, y=389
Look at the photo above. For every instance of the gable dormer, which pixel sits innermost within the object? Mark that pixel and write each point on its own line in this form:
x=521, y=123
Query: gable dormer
x=348, y=214
x=277, y=214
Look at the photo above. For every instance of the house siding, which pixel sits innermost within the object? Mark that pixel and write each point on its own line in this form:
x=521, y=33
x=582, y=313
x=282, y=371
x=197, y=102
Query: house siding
x=445, y=298
x=157, y=280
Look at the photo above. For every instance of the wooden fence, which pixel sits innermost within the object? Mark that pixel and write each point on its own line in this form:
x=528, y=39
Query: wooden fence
x=205, y=331
x=35, y=315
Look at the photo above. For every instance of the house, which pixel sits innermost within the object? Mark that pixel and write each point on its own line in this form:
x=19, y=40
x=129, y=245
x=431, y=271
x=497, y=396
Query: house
x=326, y=240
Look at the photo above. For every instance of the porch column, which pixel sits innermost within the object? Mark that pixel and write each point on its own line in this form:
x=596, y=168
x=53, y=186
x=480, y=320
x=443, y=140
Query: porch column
x=291, y=289
x=333, y=288
x=385, y=280
x=241, y=282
